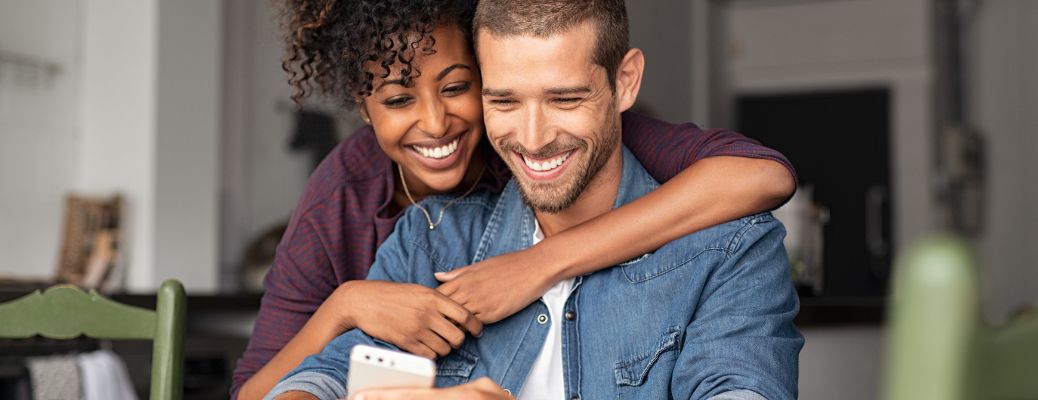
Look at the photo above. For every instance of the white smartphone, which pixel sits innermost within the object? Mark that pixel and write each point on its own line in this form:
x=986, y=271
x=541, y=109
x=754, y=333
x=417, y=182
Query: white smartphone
x=375, y=368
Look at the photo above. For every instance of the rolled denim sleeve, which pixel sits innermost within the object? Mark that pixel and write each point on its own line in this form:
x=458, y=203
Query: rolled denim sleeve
x=738, y=395
x=742, y=338
x=324, y=374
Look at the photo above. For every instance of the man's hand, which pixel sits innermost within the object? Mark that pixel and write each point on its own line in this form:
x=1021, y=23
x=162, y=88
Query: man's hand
x=480, y=389
x=415, y=318
x=498, y=287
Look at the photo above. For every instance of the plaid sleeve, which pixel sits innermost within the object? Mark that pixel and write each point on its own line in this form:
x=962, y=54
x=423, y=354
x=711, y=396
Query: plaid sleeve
x=297, y=284
x=667, y=149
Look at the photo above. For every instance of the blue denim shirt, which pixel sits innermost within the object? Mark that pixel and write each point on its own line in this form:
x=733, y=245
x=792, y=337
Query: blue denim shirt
x=710, y=314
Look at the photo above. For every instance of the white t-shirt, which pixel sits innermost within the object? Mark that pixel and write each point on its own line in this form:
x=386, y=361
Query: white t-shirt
x=545, y=380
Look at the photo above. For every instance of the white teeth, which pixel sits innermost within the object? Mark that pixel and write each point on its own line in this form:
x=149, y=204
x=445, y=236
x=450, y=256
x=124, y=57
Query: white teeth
x=438, y=152
x=547, y=165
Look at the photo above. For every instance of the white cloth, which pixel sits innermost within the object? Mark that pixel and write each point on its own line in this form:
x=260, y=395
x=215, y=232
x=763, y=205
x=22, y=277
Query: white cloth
x=54, y=378
x=545, y=380
x=104, y=377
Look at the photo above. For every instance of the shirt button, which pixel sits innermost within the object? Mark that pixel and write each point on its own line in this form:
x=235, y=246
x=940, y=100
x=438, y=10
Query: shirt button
x=570, y=315
x=508, y=392
x=542, y=319
x=575, y=397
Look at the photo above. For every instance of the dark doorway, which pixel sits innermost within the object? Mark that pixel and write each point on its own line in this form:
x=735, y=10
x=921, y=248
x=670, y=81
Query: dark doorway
x=839, y=141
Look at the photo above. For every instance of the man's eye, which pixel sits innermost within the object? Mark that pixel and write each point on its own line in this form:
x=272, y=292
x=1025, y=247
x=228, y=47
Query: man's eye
x=397, y=102
x=454, y=90
x=567, y=100
x=503, y=102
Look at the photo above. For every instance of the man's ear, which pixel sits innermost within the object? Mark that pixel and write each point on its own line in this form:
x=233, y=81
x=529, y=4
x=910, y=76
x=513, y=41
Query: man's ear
x=629, y=78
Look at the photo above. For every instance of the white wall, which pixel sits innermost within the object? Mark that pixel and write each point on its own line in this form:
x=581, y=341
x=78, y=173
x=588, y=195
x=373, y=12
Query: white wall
x=1005, y=104
x=135, y=110
x=150, y=119
x=661, y=29
x=277, y=176
x=38, y=136
x=117, y=120
x=188, y=142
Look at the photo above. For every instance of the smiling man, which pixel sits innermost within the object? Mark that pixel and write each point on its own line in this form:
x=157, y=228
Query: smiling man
x=707, y=316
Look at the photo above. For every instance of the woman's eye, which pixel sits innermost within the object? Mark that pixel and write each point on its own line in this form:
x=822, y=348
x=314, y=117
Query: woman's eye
x=456, y=89
x=397, y=102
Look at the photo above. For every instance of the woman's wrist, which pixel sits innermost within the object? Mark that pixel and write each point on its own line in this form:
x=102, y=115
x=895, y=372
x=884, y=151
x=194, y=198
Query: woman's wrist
x=555, y=259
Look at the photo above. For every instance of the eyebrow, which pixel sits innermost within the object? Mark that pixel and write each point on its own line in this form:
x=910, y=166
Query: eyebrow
x=442, y=74
x=497, y=92
x=568, y=90
x=439, y=77
x=390, y=82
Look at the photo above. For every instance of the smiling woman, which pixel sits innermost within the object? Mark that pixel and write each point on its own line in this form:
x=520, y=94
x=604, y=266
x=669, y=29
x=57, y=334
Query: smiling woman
x=430, y=125
x=407, y=66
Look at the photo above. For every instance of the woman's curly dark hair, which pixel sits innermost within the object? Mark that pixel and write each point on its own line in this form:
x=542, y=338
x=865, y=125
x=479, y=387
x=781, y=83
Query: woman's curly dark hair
x=328, y=42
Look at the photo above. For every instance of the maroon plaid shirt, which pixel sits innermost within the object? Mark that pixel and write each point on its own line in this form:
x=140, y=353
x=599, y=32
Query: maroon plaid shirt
x=343, y=217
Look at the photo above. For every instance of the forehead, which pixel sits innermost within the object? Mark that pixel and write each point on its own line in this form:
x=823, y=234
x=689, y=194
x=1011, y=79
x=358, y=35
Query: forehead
x=515, y=62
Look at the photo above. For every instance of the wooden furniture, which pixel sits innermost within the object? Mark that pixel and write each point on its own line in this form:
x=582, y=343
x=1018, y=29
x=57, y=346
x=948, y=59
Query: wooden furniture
x=66, y=312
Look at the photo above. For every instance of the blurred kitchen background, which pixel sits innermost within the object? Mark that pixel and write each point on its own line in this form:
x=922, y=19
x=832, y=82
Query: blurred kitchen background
x=168, y=126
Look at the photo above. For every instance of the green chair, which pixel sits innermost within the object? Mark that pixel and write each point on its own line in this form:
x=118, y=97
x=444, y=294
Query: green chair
x=66, y=312
x=939, y=346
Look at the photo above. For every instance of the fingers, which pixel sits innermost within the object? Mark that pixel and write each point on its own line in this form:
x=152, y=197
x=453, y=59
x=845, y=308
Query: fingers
x=448, y=331
x=449, y=275
x=434, y=342
x=448, y=288
x=460, y=315
x=397, y=394
x=416, y=347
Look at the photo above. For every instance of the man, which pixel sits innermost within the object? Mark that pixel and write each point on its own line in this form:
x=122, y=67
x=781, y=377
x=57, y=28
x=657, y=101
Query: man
x=706, y=316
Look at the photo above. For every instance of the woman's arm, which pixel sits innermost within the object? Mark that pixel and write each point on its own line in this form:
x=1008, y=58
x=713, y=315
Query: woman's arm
x=415, y=318
x=320, y=329
x=711, y=177
x=710, y=192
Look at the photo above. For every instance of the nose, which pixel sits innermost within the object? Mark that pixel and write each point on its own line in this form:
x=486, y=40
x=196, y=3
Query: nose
x=533, y=132
x=433, y=118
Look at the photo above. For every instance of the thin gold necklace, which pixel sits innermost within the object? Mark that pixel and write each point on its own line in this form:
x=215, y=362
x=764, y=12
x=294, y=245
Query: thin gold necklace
x=428, y=217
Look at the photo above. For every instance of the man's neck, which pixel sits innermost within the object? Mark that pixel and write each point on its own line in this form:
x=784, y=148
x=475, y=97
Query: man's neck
x=596, y=199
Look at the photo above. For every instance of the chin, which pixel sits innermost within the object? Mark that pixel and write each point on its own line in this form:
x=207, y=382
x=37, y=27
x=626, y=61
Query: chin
x=445, y=181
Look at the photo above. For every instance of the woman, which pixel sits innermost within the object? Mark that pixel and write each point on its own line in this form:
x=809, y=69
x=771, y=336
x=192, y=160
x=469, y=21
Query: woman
x=409, y=70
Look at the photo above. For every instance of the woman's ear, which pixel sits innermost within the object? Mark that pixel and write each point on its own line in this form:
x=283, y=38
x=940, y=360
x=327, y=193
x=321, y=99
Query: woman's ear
x=363, y=110
x=629, y=78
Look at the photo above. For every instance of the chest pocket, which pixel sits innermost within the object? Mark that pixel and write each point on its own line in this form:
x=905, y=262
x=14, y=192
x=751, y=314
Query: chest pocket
x=632, y=373
x=456, y=368
x=664, y=260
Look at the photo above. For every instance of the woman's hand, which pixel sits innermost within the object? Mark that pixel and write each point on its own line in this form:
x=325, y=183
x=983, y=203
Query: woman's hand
x=417, y=319
x=496, y=288
x=480, y=389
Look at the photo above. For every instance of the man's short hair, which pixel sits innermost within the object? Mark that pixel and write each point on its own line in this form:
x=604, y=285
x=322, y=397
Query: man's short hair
x=546, y=18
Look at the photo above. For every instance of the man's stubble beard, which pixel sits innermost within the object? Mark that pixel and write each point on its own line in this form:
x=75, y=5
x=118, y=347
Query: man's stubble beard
x=555, y=197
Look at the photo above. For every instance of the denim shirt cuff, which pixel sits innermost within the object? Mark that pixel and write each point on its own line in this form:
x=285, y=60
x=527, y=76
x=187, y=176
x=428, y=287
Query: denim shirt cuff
x=315, y=383
x=738, y=395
